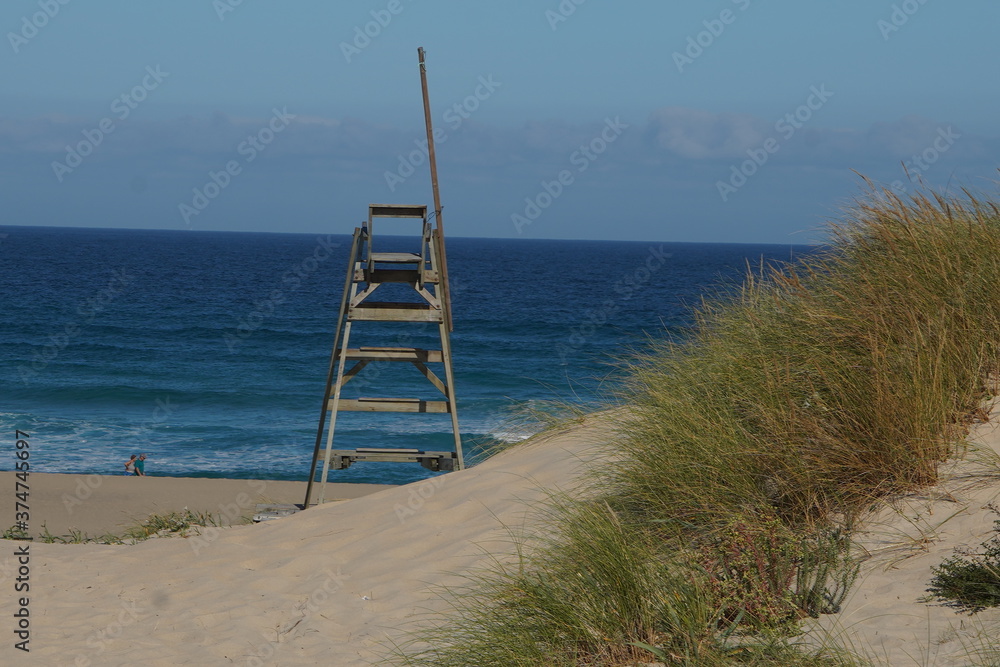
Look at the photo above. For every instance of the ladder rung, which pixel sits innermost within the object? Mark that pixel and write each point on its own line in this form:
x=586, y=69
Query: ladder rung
x=394, y=354
x=394, y=276
x=367, y=450
x=436, y=461
x=396, y=257
x=385, y=311
x=390, y=405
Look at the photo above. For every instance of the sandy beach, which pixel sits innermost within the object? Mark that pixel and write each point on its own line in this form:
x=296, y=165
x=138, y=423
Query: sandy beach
x=99, y=504
x=326, y=586
x=337, y=583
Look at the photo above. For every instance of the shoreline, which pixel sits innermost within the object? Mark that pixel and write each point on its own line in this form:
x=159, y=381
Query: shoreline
x=100, y=504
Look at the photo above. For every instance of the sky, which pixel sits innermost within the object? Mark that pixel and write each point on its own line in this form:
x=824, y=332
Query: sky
x=657, y=120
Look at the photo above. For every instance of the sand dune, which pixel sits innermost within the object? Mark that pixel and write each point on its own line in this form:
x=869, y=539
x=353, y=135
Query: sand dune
x=886, y=616
x=324, y=586
x=332, y=585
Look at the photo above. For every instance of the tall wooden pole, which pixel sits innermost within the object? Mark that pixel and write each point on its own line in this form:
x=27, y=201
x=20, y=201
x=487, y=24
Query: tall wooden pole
x=432, y=161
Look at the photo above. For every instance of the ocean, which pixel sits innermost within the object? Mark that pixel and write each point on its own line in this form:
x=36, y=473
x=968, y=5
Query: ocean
x=208, y=351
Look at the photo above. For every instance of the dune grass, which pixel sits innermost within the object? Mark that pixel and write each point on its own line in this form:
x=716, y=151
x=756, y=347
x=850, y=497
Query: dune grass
x=171, y=523
x=598, y=591
x=747, y=452
x=154, y=525
x=833, y=383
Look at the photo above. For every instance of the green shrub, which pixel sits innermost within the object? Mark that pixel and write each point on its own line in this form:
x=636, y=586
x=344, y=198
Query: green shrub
x=970, y=582
x=765, y=577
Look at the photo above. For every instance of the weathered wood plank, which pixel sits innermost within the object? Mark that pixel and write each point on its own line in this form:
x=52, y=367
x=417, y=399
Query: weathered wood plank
x=436, y=461
x=385, y=311
x=396, y=257
x=411, y=276
x=390, y=405
x=395, y=354
x=395, y=450
x=397, y=211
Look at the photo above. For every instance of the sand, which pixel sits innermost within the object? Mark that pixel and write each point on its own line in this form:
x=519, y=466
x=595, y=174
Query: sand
x=887, y=617
x=335, y=584
x=330, y=585
x=96, y=505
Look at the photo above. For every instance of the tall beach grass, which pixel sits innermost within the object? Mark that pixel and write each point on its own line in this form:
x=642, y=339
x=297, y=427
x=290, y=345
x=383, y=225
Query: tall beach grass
x=826, y=385
x=747, y=452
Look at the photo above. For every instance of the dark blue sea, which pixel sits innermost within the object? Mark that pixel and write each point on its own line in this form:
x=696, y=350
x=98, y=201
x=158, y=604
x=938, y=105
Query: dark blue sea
x=208, y=351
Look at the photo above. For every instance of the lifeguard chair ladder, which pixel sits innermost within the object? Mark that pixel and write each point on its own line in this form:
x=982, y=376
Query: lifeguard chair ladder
x=368, y=270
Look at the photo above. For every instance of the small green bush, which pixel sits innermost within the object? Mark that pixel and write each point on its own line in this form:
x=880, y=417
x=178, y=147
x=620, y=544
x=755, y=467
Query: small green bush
x=971, y=582
x=765, y=577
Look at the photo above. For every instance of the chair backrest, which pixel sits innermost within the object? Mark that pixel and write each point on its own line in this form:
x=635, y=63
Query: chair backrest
x=398, y=211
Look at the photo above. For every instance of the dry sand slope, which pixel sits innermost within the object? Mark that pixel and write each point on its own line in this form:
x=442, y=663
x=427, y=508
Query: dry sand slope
x=328, y=585
x=319, y=587
x=885, y=617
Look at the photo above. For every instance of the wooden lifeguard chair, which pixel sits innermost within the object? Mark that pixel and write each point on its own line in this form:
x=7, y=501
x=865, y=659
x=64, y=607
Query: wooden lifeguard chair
x=368, y=270
x=426, y=272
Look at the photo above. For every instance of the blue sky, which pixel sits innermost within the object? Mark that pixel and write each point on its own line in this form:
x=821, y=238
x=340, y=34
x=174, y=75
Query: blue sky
x=726, y=120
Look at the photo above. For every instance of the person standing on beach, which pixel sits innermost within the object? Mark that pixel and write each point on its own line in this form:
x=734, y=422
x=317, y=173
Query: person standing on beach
x=140, y=466
x=130, y=465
